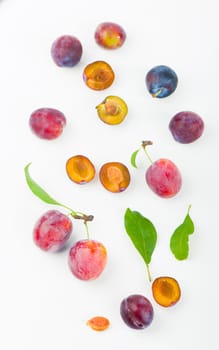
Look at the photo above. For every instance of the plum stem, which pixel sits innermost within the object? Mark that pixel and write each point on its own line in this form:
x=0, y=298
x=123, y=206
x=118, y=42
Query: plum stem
x=157, y=93
x=81, y=216
x=77, y=215
x=144, y=146
x=87, y=230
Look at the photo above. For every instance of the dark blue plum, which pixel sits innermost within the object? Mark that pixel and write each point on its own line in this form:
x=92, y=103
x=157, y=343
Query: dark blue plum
x=66, y=51
x=161, y=81
x=186, y=127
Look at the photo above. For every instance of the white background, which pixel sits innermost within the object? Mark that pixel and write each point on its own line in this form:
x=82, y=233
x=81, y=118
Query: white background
x=43, y=306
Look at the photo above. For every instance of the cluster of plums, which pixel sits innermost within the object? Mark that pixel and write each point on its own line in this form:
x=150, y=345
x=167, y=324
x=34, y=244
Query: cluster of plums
x=87, y=258
x=163, y=176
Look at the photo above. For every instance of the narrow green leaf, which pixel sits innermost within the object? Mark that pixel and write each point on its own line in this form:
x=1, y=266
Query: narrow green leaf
x=142, y=233
x=37, y=190
x=133, y=158
x=179, y=241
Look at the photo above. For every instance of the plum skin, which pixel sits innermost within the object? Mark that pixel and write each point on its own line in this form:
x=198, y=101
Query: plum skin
x=164, y=178
x=136, y=311
x=186, y=127
x=52, y=231
x=47, y=123
x=66, y=51
x=161, y=81
x=87, y=259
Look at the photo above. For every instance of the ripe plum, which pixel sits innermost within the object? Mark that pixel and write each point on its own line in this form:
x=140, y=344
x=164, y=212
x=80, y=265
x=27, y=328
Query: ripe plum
x=186, y=127
x=52, y=231
x=136, y=311
x=164, y=178
x=161, y=81
x=47, y=123
x=110, y=35
x=66, y=51
x=87, y=259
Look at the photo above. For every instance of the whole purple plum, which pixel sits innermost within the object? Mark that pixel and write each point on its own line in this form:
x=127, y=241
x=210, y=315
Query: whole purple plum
x=136, y=311
x=66, y=51
x=186, y=127
x=161, y=81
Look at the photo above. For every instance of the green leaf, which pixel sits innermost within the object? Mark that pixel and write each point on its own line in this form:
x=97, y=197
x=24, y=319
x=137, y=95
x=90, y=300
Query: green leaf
x=133, y=158
x=142, y=234
x=37, y=190
x=179, y=241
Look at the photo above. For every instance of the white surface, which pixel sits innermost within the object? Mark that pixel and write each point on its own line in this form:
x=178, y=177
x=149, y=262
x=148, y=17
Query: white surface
x=42, y=306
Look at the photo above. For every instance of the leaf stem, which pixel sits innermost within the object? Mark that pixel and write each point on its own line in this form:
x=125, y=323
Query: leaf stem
x=38, y=191
x=72, y=212
x=133, y=157
x=189, y=207
x=148, y=272
x=144, y=146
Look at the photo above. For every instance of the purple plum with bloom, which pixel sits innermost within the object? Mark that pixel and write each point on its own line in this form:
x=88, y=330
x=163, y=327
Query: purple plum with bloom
x=66, y=51
x=136, y=311
x=186, y=127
